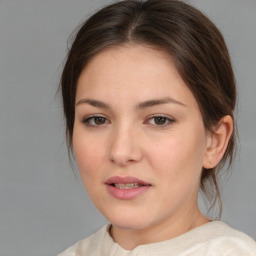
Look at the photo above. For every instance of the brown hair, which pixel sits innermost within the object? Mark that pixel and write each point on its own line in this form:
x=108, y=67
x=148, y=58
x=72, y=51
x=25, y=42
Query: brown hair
x=188, y=36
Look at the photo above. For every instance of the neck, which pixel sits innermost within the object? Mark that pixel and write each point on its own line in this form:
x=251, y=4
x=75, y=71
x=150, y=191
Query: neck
x=168, y=229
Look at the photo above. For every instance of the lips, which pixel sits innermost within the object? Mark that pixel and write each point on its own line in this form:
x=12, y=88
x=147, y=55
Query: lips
x=126, y=180
x=126, y=187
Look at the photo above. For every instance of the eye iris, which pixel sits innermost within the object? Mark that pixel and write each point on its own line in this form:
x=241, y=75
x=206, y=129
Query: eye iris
x=160, y=120
x=99, y=120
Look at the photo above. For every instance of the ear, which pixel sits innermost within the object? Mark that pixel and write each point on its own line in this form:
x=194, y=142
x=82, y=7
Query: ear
x=217, y=142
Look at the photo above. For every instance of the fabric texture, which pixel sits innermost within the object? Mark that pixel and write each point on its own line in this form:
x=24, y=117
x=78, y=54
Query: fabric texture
x=212, y=239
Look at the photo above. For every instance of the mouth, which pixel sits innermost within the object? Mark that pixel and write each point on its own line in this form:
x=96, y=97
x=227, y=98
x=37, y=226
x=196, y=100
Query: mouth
x=125, y=188
x=127, y=182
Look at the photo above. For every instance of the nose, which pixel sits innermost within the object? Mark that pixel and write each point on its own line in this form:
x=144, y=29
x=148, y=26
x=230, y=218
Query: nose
x=125, y=147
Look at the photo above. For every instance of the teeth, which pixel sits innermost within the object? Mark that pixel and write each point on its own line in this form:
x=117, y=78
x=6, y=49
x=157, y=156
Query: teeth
x=127, y=186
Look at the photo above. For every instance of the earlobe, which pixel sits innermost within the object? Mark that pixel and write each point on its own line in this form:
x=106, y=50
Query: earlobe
x=217, y=142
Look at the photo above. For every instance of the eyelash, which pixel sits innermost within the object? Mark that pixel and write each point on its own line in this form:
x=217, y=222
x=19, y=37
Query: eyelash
x=167, y=120
x=87, y=120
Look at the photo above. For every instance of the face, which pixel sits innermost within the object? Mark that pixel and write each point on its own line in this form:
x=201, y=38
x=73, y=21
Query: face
x=139, y=138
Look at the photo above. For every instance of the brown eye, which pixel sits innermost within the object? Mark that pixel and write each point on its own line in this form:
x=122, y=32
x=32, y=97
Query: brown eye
x=99, y=120
x=160, y=120
x=95, y=121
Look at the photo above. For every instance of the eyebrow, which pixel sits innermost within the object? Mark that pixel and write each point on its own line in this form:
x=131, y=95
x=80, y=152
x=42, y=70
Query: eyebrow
x=154, y=102
x=94, y=103
x=140, y=106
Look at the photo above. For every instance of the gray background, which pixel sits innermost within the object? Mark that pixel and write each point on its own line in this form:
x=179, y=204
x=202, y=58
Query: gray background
x=43, y=206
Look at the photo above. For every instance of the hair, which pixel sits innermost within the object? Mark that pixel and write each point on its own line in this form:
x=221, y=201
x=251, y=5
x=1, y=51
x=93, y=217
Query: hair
x=194, y=43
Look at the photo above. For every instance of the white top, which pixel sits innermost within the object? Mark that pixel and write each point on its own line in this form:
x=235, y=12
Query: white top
x=212, y=239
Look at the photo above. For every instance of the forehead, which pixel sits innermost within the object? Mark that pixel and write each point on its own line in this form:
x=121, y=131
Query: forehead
x=127, y=58
x=136, y=71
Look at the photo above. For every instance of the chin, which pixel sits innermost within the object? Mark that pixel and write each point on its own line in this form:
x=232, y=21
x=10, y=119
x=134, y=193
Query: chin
x=127, y=219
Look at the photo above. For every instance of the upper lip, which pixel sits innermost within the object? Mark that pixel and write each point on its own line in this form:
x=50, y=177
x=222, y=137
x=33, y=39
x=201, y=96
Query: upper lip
x=126, y=180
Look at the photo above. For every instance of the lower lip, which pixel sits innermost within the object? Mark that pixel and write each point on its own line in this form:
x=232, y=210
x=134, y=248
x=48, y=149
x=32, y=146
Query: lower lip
x=126, y=194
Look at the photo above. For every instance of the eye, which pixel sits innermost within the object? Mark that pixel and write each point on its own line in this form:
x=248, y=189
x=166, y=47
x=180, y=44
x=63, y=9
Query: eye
x=160, y=120
x=95, y=121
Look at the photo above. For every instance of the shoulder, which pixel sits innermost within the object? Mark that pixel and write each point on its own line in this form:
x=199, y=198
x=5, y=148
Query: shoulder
x=221, y=239
x=87, y=246
x=212, y=239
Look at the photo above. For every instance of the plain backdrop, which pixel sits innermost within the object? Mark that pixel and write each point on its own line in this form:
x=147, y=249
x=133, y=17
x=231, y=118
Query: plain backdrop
x=43, y=205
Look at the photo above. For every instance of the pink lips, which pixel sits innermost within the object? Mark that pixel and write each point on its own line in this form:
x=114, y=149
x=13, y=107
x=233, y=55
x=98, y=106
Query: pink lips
x=130, y=191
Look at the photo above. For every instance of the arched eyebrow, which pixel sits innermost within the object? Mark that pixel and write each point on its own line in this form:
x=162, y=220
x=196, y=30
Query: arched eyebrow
x=154, y=102
x=94, y=103
x=139, y=106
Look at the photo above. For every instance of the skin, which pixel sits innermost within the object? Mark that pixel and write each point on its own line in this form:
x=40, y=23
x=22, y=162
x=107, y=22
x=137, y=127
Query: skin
x=128, y=140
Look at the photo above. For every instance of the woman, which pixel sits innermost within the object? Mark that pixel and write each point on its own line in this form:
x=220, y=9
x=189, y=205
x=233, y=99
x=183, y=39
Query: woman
x=148, y=94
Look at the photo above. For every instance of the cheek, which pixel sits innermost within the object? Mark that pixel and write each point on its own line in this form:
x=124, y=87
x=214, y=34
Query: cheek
x=88, y=154
x=179, y=155
x=177, y=164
